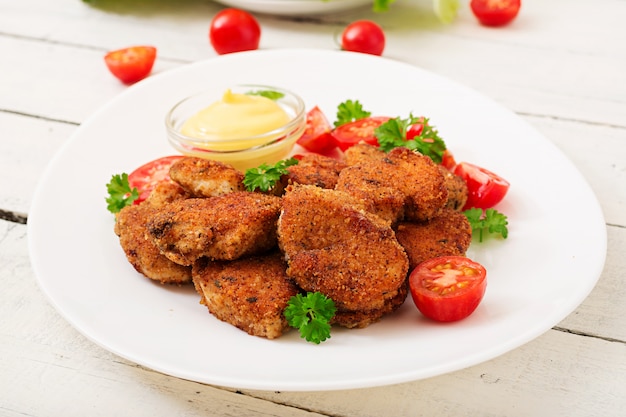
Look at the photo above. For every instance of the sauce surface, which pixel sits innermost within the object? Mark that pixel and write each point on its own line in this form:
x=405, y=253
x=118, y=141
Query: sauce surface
x=236, y=116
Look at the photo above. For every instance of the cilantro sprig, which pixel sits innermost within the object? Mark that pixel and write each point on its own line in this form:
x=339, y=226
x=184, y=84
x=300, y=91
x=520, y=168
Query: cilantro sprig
x=350, y=111
x=120, y=193
x=491, y=221
x=393, y=134
x=311, y=315
x=265, y=176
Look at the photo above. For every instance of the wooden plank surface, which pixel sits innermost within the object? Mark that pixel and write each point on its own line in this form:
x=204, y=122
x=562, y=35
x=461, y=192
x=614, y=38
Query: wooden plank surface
x=560, y=66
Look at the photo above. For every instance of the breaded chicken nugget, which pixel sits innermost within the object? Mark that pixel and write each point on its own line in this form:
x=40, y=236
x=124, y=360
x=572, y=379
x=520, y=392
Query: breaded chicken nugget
x=422, y=183
x=141, y=252
x=249, y=293
x=449, y=233
x=334, y=246
x=374, y=182
x=206, y=178
x=457, y=189
x=362, y=152
x=403, y=184
x=362, y=318
x=314, y=169
x=222, y=228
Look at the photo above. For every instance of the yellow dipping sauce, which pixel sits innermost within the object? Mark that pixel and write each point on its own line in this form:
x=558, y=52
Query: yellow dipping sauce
x=238, y=117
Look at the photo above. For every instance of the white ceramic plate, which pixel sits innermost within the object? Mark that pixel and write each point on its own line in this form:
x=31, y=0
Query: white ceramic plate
x=296, y=7
x=536, y=277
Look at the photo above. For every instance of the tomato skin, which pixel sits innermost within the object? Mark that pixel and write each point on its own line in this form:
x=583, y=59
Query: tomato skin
x=448, y=288
x=234, y=30
x=495, y=12
x=352, y=133
x=317, y=137
x=448, y=160
x=485, y=188
x=363, y=36
x=414, y=131
x=131, y=64
x=147, y=176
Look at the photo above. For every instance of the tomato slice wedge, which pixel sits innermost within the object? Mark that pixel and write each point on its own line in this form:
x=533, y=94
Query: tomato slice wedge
x=361, y=130
x=317, y=137
x=132, y=64
x=448, y=288
x=485, y=188
x=147, y=176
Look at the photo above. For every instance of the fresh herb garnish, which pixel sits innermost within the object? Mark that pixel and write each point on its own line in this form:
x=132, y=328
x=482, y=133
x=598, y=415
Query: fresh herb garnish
x=381, y=5
x=265, y=176
x=120, y=193
x=311, y=315
x=350, y=111
x=490, y=221
x=272, y=95
x=393, y=134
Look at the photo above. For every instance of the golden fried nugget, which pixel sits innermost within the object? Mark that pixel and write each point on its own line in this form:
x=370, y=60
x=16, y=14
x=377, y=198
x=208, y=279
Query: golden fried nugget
x=332, y=245
x=206, y=178
x=314, y=169
x=222, y=228
x=141, y=252
x=249, y=293
x=447, y=234
x=457, y=189
x=360, y=319
x=363, y=152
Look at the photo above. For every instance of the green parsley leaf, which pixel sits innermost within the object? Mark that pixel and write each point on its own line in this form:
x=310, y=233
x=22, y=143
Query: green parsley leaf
x=120, y=193
x=311, y=315
x=381, y=5
x=350, y=111
x=490, y=221
x=265, y=176
x=272, y=95
x=392, y=134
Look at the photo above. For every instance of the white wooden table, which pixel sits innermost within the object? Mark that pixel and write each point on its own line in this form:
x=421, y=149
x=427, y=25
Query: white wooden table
x=561, y=66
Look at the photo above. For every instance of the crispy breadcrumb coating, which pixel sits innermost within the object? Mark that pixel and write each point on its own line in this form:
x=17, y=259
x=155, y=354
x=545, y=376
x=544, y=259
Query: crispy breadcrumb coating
x=314, y=169
x=457, y=189
x=333, y=246
x=449, y=233
x=222, y=228
x=360, y=319
x=206, y=178
x=141, y=252
x=249, y=293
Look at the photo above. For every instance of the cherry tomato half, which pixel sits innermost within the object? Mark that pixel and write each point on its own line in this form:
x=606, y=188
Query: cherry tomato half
x=485, y=188
x=147, y=176
x=131, y=64
x=234, y=30
x=448, y=288
x=317, y=137
x=495, y=12
x=363, y=36
x=360, y=130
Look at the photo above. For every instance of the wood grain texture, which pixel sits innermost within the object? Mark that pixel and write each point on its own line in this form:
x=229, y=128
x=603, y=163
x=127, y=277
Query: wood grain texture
x=560, y=67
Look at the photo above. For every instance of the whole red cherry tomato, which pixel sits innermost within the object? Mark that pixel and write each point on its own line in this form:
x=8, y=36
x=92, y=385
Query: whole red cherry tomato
x=234, y=30
x=363, y=36
x=495, y=12
x=448, y=288
x=131, y=64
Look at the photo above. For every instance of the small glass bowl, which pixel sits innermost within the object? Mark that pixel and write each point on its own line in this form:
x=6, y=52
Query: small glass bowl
x=269, y=147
